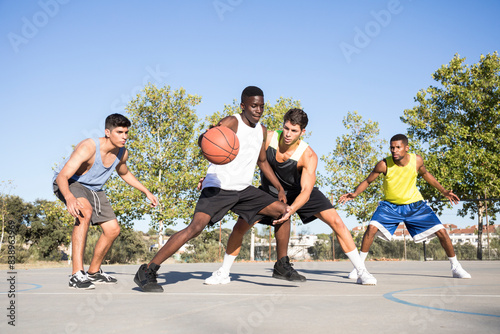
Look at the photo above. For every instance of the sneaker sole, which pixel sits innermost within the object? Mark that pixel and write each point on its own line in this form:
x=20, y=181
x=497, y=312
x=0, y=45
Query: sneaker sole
x=286, y=279
x=75, y=287
x=136, y=281
x=369, y=284
x=221, y=283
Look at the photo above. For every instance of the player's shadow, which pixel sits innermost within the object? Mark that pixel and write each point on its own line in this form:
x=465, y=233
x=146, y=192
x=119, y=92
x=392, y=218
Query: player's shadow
x=326, y=273
x=251, y=279
x=410, y=274
x=173, y=277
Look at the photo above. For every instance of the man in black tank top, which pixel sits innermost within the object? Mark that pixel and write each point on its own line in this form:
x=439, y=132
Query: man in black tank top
x=294, y=164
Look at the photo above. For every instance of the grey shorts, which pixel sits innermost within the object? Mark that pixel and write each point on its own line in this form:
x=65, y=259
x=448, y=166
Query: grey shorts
x=101, y=209
x=246, y=203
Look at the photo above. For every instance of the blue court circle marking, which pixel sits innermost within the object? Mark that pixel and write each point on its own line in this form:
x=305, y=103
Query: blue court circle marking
x=33, y=286
x=390, y=296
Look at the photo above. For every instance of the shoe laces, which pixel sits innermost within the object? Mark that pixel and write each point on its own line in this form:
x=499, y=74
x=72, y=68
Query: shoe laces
x=220, y=273
x=105, y=275
x=288, y=266
x=151, y=275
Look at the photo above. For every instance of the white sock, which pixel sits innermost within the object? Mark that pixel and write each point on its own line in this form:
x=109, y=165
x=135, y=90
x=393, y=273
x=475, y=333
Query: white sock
x=355, y=259
x=228, y=262
x=363, y=256
x=453, y=261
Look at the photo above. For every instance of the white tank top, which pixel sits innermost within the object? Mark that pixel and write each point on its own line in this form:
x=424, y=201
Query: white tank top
x=238, y=174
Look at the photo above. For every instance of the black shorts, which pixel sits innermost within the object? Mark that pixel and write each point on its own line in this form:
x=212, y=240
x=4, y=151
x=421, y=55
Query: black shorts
x=101, y=209
x=246, y=203
x=317, y=203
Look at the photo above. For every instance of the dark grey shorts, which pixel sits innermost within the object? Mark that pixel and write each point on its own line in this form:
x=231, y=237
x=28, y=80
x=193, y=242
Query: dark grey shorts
x=246, y=203
x=317, y=203
x=101, y=209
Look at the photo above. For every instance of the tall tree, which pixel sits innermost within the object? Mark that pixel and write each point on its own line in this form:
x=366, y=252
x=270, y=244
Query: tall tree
x=459, y=122
x=163, y=155
x=353, y=158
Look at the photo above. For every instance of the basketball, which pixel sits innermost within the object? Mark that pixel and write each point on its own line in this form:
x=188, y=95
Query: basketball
x=220, y=145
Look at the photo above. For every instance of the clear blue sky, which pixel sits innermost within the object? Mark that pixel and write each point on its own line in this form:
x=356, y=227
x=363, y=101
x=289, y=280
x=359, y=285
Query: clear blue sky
x=67, y=64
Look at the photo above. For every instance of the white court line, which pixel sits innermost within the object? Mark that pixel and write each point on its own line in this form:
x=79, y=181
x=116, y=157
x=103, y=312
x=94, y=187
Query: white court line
x=439, y=295
x=139, y=293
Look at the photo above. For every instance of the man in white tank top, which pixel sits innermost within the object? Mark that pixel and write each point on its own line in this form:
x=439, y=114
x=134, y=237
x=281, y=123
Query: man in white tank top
x=229, y=187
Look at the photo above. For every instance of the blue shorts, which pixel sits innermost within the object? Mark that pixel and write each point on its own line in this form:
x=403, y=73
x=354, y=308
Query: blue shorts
x=420, y=220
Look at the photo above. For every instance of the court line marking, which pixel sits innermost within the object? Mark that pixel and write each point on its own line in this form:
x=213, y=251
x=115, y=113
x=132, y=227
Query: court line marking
x=35, y=286
x=390, y=296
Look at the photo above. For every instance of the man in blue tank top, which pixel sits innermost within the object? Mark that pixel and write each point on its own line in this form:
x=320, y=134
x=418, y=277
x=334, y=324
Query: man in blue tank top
x=228, y=187
x=294, y=163
x=78, y=183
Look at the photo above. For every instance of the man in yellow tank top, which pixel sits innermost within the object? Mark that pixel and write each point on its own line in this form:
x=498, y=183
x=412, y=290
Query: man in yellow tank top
x=403, y=202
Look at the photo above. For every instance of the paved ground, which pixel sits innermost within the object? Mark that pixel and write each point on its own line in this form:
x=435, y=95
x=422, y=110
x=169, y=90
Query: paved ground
x=411, y=297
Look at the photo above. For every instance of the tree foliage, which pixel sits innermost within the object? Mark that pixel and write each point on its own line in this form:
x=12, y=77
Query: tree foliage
x=163, y=155
x=458, y=121
x=351, y=160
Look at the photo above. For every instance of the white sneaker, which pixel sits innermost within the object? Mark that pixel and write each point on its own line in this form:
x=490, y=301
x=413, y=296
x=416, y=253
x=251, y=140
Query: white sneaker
x=459, y=272
x=365, y=278
x=353, y=274
x=221, y=276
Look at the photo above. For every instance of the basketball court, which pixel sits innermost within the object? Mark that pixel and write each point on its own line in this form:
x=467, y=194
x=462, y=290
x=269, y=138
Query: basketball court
x=411, y=297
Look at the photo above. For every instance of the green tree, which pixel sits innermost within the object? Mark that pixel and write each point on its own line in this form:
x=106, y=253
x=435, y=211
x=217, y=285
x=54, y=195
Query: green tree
x=353, y=158
x=129, y=247
x=163, y=155
x=459, y=122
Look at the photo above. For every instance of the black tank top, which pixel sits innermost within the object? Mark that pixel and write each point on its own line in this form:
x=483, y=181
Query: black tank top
x=287, y=171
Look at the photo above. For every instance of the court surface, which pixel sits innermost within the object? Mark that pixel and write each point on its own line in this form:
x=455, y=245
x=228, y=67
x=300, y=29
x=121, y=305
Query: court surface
x=410, y=297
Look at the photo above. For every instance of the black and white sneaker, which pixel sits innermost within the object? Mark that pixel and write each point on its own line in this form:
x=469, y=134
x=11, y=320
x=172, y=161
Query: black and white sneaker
x=101, y=277
x=79, y=280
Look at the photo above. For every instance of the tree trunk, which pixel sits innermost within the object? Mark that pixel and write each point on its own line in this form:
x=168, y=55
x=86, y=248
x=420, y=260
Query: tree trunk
x=252, y=245
x=479, y=231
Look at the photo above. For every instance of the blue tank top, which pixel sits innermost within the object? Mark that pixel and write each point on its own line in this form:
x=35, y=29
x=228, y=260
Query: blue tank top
x=98, y=174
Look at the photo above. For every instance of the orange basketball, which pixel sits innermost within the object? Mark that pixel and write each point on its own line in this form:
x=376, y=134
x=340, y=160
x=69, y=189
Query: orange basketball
x=220, y=145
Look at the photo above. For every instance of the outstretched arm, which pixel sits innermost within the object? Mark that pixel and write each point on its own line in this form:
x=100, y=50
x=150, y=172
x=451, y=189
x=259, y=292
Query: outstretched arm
x=128, y=177
x=429, y=178
x=309, y=162
x=380, y=167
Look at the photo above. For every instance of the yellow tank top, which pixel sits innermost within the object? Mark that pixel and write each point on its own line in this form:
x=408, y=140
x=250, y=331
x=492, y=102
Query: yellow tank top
x=400, y=183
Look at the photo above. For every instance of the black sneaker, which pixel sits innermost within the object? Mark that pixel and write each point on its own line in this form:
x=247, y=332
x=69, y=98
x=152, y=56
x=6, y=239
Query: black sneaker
x=79, y=280
x=283, y=270
x=145, y=278
x=101, y=277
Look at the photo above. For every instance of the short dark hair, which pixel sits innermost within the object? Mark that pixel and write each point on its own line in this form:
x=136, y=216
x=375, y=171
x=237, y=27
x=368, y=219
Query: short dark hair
x=401, y=137
x=251, y=91
x=296, y=116
x=116, y=120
